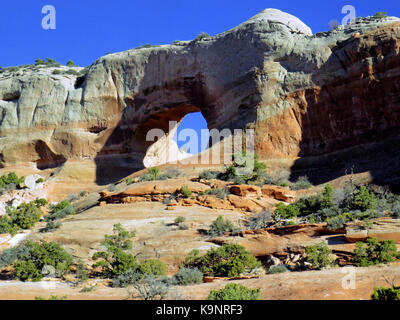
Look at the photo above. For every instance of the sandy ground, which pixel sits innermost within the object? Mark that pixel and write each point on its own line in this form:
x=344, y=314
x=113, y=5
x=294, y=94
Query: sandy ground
x=310, y=285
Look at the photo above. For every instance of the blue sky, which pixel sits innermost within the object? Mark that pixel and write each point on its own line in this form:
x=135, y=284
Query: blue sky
x=88, y=29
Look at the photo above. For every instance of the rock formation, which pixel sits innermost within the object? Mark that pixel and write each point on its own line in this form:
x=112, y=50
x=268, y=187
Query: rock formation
x=305, y=95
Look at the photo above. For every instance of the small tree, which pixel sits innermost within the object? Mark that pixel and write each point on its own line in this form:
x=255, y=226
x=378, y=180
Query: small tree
x=39, y=62
x=39, y=255
x=386, y=294
x=380, y=15
x=114, y=260
x=319, y=255
x=70, y=63
x=364, y=199
x=229, y=260
x=202, y=36
x=374, y=252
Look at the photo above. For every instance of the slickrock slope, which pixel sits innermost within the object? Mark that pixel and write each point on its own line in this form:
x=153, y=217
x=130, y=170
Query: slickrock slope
x=305, y=95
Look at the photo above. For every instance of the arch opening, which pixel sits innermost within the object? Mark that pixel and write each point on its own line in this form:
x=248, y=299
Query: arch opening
x=183, y=139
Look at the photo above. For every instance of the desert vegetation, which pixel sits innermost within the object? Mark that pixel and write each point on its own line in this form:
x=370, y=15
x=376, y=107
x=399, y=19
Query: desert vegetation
x=229, y=260
x=374, y=252
x=10, y=182
x=235, y=291
x=30, y=260
x=22, y=217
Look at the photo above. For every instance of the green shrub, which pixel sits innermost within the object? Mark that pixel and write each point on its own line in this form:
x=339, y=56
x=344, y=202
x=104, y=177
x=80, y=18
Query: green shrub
x=129, y=181
x=337, y=222
x=52, y=226
x=114, y=260
x=185, y=192
x=51, y=298
x=219, y=193
x=9, y=255
x=277, y=269
x=364, y=200
x=52, y=63
x=147, y=45
x=219, y=227
x=307, y=206
x=229, y=174
x=374, y=252
x=89, y=288
x=30, y=265
x=259, y=220
x=183, y=226
x=208, y=175
x=179, y=220
x=70, y=63
x=380, y=15
x=81, y=272
x=11, y=179
x=40, y=202
x=72, y=197
x=395, y=210
x=386, y=294
x=83, y=194
x=287, y=211
x=72, y=72
x=202, y=36
x=40, y=180
x=233, y=291
x=153, y=267
x=60, y=211
x=187, y=276
x=112, y=187
x=319, y=255
x=25, y=270
x=23, y=217
x=7, y=226
x=302, y=183
x=60, y=206
x=245, y=169
x=229, y=260
x=367, y=225
x=39, y=62
x=149, y=287
x=127, y=278
x=155, y=174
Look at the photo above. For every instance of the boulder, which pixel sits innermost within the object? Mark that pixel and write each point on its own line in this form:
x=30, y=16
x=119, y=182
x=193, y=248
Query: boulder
x=30, y=181
x=278, y=193
x=244, y=204
x=382, y=229
x=245, y=190
x=155, y=188
x=273, y=261
x=214, y=203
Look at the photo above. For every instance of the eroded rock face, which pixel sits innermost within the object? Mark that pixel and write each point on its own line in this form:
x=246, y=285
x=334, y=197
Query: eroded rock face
x=305, y=95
